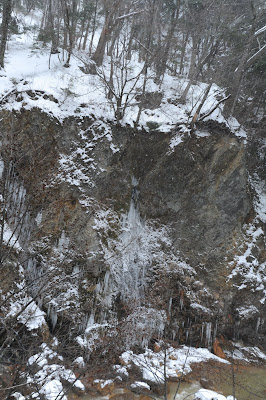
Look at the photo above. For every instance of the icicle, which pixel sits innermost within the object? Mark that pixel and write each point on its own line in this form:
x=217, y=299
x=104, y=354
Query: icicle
x=208, y=339
x=83, y=324
x=52, y=314
x=40, y=300
x=133, y=271
x=17, y=216
x=236, y=330
x=160, y=329
x=144, y=342
x=202, y=333
x=106, y=281
x=170, y=306
x=90, y=320
x=1, y=168
x=38, y=218
x=76, y=271
x=98, y=288
x=215, y=330
x=258, y=324
x=63, y=242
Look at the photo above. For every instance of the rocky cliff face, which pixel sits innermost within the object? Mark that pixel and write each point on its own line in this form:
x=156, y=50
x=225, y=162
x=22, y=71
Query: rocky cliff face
x=124, y=227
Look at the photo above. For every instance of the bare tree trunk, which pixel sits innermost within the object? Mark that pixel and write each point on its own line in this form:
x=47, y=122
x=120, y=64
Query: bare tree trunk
x=54, y=48
x=85, y=36
x=165, y=374
x=147, y=60
x=183, y=52
x=82, y=32
x=100, y=50
x=44, y=17
x=192, y=68
x=239, y=72
x=196, y=115
x=93, y=30
x=115, y=35
x=132, y=34
x=162, y=62
x=70, y=23
x=7, y=7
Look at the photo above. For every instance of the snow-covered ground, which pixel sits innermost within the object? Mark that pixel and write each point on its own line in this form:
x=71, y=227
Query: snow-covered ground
x=177, y=361
x=249, y=269
x=44, y=82
x=204, y=394
x=49, y=376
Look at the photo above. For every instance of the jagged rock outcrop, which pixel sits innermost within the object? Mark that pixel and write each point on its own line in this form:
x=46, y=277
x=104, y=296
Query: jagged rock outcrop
x=121, y=222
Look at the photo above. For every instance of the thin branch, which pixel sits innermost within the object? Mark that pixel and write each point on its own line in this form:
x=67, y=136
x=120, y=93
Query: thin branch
x=214, y=108
x=129, y=15
x=256, y=55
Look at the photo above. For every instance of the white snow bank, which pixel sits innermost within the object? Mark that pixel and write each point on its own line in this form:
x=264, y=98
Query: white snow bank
x=246, y=312
x=204, y=394
x=178, y=361
x=120, y=370
x=18, y=396
x=247, y=354
x=10, y=238
x=48, y=378
x=31, y=316
x=64, y=92
x=52, y=389
x=140, y=386
x=79, y=361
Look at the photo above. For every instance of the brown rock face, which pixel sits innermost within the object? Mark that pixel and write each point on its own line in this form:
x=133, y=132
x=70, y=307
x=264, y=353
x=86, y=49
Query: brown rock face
x=190, y=205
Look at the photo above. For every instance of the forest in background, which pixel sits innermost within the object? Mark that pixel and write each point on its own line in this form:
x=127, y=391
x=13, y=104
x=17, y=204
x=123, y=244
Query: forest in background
x=222, y=42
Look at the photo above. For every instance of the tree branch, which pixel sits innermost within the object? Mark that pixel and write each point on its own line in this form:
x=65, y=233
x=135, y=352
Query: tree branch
x=214, y=108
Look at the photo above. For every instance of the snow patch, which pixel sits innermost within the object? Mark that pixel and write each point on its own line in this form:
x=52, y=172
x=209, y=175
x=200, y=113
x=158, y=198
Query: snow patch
x=178, y=362
x=140, y=386
x=49, y=375
x=204, y=394
x=18, y=396
x=64, y=92
x=10, y=238
x=260, y=201
x=248, y=269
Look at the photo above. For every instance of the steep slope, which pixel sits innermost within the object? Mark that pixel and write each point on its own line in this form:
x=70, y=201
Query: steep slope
x=126, y=229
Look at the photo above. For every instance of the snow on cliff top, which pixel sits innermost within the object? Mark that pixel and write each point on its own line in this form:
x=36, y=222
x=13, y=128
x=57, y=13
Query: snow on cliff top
x=69, y=91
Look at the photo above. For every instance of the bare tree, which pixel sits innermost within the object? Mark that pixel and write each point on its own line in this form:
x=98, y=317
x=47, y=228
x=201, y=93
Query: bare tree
x=120, y=83
x=245, y=60
x=6, y=17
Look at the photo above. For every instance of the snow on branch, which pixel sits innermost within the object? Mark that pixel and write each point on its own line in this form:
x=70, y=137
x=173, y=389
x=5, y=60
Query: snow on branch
x=129, y=15
x=261, y=30
x=252, y=58
x=214, y=108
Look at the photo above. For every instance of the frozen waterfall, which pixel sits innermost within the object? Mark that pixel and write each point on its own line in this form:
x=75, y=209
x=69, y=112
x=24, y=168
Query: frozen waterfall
x=132, y=261
x=128, y=256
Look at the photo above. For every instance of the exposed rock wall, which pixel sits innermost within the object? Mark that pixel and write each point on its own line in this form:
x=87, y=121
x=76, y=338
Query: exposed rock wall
x=110, y=205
